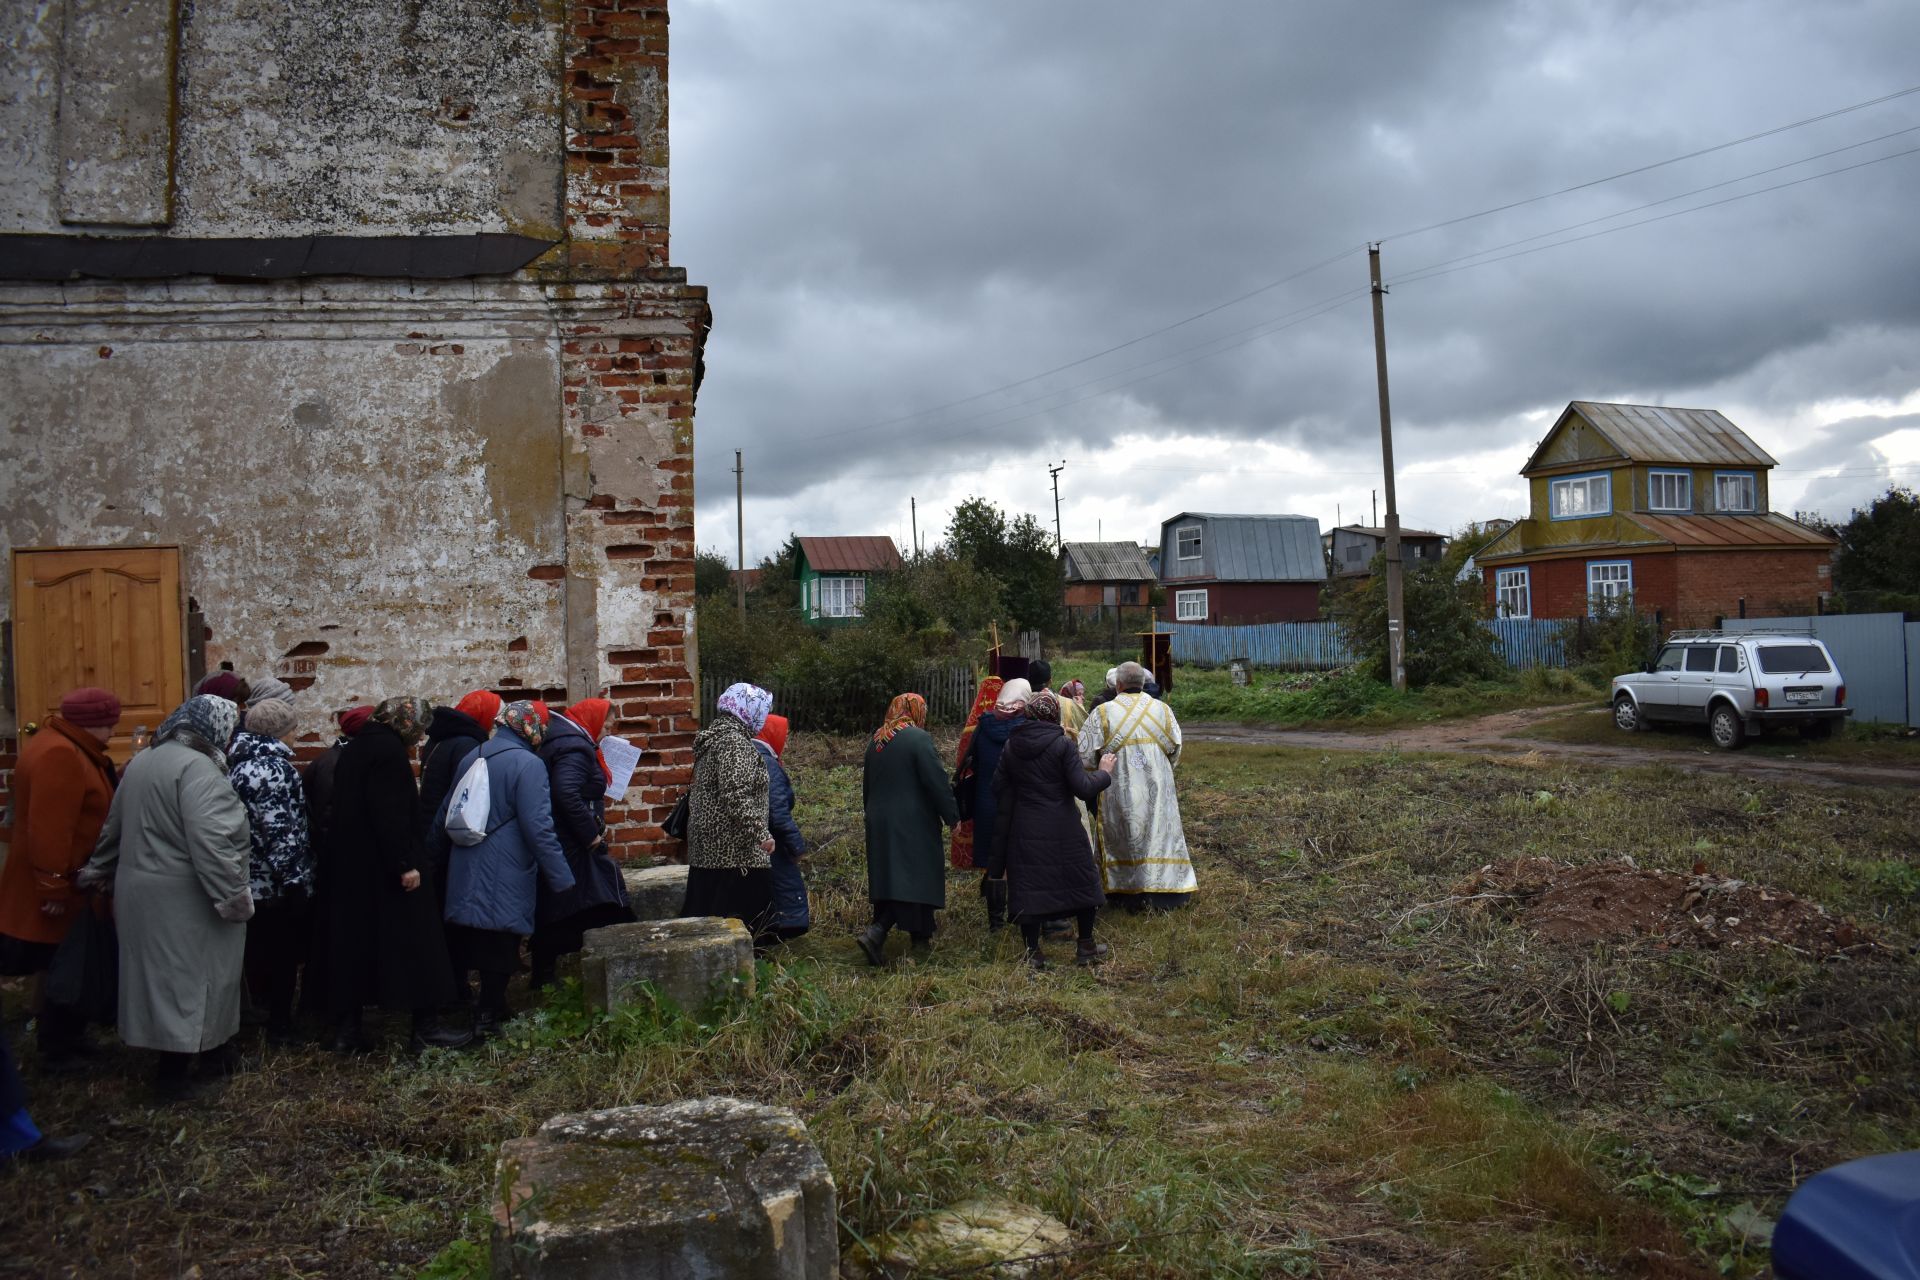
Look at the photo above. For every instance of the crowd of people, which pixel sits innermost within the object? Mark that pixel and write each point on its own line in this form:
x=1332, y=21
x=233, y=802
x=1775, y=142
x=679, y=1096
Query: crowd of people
x=214, y=880
x=232, y=885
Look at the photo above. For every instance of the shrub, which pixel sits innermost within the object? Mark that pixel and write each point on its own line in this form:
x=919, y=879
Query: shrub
x=1615, y=639
x=1447, y=641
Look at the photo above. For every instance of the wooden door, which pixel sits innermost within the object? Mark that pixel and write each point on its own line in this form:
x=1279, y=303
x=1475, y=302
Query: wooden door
x=107, y=616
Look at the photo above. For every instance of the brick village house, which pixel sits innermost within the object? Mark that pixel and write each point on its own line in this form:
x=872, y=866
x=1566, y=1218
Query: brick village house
x=1668, y=505
x=340, y=340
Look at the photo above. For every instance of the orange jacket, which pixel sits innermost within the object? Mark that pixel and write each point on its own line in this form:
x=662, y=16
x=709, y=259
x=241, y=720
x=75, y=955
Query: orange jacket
x=62, y=786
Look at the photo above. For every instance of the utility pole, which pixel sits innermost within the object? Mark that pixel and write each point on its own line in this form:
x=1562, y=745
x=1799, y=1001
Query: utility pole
x=740, y=533
x=913, y=508
x=1059, y=544
x=1396, y=587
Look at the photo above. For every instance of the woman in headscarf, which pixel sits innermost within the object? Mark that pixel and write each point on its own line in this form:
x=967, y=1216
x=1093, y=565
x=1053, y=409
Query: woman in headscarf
x=175, y=849
x=1041, y=851
x=979, y=757
x=791, y=915
x=905, y=794
x=280, y=870
x=492, y=886
x=316, y=779
x=729, y=848
x=960, y=846
x=384, y=940
x=577, y=775
x=453, y=735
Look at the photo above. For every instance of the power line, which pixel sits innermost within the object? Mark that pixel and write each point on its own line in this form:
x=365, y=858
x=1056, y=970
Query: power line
x=1658, y=164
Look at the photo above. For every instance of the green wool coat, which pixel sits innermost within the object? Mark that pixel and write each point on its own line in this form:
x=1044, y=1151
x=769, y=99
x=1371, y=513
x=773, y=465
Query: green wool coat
x=907, y=797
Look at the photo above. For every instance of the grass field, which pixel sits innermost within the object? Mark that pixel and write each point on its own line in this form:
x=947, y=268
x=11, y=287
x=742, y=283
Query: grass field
x=1860, y=743
x=1330, y=1065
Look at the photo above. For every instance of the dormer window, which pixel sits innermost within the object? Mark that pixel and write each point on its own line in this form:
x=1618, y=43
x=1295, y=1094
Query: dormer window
x=1735, y=491
x=1670, y=491
x=1187, y=542
x=1579, y=496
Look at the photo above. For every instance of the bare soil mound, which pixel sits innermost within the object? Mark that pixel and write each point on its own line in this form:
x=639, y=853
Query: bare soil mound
x=1612, y=900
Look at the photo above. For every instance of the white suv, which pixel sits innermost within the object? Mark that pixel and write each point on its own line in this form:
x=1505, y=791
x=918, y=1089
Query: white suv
x=1736, y=683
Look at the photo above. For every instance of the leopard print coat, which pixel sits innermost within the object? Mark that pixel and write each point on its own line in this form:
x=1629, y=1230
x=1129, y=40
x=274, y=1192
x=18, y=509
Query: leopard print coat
x=727, y=807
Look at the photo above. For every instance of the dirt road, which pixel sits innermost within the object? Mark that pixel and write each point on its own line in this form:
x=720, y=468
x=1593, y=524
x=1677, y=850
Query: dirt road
x=1497, y=735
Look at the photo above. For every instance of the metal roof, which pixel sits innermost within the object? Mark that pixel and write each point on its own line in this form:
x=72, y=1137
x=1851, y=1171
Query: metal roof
x=1655, y=433
x=1769, y=529
x=1107, y=562
x=1255, y=548
x=1379, y=531
x=863, y=554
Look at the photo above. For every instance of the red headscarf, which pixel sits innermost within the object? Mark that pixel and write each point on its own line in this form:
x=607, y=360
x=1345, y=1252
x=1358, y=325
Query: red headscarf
x=960, y=847
x=591, y=714
x=774, y=734
x=481, y=707
x=354, y=719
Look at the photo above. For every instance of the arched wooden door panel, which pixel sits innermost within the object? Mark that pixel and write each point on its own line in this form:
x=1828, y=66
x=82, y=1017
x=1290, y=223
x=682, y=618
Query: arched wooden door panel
x=106, y=616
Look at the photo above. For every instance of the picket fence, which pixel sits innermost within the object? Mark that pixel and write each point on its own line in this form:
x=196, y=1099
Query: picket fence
x=859, y=703
x=1319, y=646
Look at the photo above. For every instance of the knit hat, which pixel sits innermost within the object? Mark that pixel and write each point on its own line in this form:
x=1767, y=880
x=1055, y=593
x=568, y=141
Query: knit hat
x=354, y=719
x=223, y=684
x=269, y=689
x=90, y=708
x=481, y=707
x=271, y=719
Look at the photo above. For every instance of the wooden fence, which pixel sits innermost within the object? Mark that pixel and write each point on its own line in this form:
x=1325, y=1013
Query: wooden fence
x=857, y=704
x=1319, y=646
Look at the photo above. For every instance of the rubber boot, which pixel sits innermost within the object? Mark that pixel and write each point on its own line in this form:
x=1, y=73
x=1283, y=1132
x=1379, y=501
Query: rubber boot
x=873, y=942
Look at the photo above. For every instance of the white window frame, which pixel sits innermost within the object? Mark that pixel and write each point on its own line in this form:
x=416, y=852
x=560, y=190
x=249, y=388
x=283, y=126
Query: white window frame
x=1184, y=603
x=1179, y=538
x=1653, y=501
x=1591, y=506
x=841, y=597
x=1513, y=592
x=1608, y=586
x=1752, y=485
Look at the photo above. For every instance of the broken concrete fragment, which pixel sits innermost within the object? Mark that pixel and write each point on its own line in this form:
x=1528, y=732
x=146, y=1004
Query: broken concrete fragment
x=708, y=1187
x=656, y=893
x=691, y=962
x=983, y=1235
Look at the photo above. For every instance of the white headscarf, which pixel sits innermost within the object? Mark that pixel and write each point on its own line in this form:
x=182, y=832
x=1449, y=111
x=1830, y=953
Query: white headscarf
x=1013, y=696
x=1113, y=677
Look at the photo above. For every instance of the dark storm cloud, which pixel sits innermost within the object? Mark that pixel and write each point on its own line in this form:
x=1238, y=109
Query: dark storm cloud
x=898, y=205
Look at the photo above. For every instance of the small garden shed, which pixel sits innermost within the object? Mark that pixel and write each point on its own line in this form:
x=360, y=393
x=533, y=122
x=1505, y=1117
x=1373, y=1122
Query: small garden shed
x=834, y=573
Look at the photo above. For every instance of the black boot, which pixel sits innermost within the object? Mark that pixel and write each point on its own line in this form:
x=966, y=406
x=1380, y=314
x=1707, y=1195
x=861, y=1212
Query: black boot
x=349, y=1036
x=1087, y=951
x=873, y=942
x=431, y=1032
x=995, y=892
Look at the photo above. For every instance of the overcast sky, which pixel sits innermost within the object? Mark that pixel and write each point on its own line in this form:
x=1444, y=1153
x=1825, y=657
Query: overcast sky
x=907, y=209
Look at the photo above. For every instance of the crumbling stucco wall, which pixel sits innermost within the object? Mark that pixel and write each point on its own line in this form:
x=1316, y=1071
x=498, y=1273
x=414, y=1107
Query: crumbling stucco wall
x=404, y=117
x=384, y=478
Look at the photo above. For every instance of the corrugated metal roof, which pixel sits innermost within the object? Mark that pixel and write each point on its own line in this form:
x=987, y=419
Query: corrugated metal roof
x=1107, y=562
x=864, y=554
x=1770, y=529
x=1250, y=548
x=1380, y=531
x=1656, y=433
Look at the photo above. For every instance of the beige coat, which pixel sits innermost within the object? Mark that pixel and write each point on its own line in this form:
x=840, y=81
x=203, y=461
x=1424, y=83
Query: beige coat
x=176, y=846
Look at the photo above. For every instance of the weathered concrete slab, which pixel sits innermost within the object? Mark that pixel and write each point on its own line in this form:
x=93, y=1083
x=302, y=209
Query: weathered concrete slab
x=983, y=1235
x=690, y=962
x=714, y=1188
x=656, y=893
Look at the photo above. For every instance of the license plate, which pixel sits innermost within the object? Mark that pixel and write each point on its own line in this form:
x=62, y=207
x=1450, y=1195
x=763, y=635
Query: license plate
x=1803, y=697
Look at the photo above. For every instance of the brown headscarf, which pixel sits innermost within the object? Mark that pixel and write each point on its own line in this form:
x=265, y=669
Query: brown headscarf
x=405, y=716
x=907, y=710
x=1043, y=706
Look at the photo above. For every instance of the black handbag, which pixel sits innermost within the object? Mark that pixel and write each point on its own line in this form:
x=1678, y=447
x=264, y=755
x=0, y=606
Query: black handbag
x=676, y=824
x=84, y=974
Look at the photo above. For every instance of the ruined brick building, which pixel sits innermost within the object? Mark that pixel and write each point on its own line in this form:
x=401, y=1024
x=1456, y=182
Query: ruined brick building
x=340, y=340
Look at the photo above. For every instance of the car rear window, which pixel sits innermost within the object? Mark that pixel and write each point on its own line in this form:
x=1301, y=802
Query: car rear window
x=1788, y=659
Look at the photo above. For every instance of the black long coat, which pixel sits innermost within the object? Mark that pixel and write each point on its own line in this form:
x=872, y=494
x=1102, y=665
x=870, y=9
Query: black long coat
x=1040, y=846
x=385, y=945
x=452, y=736
x=579, y=792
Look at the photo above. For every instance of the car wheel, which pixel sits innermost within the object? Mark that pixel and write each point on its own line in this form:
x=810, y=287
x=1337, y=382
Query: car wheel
x=1626, y=715
x=1728, y=732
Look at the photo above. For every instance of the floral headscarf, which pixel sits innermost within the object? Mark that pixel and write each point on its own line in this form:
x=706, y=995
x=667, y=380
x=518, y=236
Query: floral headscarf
x=205, y=723
x=748, y=703
x=1043, y=706
x=1073, y=689
x=405, y=716
x=591, y=714
x=528, y=719
x=909, y=710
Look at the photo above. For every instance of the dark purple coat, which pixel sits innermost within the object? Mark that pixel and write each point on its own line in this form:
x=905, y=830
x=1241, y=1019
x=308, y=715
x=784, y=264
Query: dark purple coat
x=1039, y=844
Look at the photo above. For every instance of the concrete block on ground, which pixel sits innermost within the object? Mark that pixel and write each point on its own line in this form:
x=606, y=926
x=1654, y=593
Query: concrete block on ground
x=656, y=893
x=715, y=1188
x=691, y=962
x=985, y=1235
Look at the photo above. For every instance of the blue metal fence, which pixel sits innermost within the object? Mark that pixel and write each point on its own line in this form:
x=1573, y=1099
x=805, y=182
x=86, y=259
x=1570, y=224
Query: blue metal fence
x=1874, y=653
x=1319, y=646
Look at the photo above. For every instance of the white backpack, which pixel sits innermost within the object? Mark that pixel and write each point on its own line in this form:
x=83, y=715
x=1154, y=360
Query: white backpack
x=472, y=800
